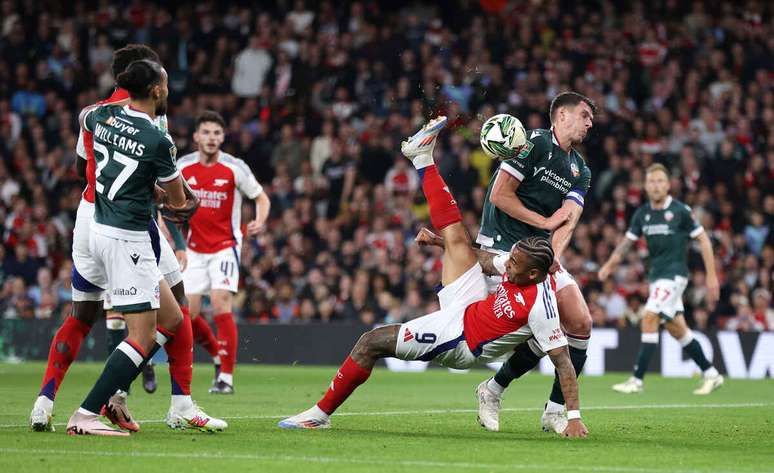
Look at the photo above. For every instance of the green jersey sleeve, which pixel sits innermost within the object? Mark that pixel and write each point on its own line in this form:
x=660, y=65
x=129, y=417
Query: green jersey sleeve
x=580, y=187
x=88, y=117
x=689, y=223
x=166, y=168
x=522, y=164
x=635, y=226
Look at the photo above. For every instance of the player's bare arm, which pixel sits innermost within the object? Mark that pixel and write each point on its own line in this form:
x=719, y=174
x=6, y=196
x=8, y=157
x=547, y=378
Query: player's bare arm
x=560, y=357
x=262, y=207
x=708, y=256
x=175, y=193
x=615, y=258
x=561, y=236
x=504, y=198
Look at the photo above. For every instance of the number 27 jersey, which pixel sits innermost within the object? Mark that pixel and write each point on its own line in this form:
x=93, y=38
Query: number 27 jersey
x=131, y=154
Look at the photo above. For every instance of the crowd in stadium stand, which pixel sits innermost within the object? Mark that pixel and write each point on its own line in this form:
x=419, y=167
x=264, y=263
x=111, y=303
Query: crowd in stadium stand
x=318, y=95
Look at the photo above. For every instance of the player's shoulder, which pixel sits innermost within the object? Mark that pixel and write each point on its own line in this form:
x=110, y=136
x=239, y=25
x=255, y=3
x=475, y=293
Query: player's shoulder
x=680, y=206
x=188, y=159
x=539, y=138
x=236, y=164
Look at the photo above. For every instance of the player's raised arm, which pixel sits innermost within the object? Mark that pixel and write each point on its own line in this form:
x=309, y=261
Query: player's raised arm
x=560, y=357
x=504, y=197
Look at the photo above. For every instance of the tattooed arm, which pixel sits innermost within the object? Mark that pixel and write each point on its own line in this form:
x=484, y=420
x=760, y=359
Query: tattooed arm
x=623, y=247
x=560, y=357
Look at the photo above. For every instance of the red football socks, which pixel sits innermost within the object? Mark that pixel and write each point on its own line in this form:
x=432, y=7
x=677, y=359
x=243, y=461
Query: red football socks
x=443, y=207
x=64, y=350
x=350, y=376
x=227, y=339
x=204, y=336
x=180, y=353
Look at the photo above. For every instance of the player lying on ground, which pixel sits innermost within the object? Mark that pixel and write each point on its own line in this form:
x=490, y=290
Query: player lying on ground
x=132, y=154
x=471, y=326
x=668, y=226
x=88, y=298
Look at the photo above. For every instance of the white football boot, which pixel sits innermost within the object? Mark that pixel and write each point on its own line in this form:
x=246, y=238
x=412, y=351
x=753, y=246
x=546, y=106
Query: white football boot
x=553, y=421
x=630, y=386
x=423, y=141
x=488, y=407
x=42, y=415
x=312, y=418
x=710, y=384
x=89, y=424
x=191, y=416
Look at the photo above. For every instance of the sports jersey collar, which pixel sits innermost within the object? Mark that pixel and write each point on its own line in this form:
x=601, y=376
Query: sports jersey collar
x=137, y=113
x=217, y=159
x=118, y=95
x=667, y=203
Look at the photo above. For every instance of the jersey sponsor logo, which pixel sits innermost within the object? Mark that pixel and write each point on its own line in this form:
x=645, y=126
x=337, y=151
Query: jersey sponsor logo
x=210, y=199
x=131, y=291
x=537, y=170
x=122, y=125
x=656, y=229
x=556, y=181
x=526, y=148
x=135, y=258
x=502, y=304
x=220, y=182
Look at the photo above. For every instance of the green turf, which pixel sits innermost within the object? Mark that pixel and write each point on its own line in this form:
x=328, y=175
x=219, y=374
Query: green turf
x=396, y=422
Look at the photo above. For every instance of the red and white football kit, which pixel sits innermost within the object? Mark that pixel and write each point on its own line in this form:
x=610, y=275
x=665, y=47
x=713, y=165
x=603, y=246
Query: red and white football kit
x=474, y=326
x=215, y=238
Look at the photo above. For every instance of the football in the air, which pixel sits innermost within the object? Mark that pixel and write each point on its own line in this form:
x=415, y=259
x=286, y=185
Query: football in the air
x=502, y=136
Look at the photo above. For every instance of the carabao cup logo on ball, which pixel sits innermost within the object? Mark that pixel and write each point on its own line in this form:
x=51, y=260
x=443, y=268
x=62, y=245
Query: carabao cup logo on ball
x=502, y=136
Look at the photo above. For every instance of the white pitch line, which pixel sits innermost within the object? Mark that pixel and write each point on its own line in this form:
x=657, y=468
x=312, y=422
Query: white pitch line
x=469, y=411
x=333, y=460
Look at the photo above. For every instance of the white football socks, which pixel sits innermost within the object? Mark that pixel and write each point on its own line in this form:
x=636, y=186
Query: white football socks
x=495, y=387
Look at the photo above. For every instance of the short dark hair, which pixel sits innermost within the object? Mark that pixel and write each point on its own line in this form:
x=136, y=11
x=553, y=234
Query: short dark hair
x=540, y=252
x=210, y=116
x=130, y=53
x=139, y=77
x=569, y=99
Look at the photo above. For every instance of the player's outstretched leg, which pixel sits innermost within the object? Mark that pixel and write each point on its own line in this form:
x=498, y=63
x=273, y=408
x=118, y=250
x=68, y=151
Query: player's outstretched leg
x=458, y=256
x=373, y=345
x=63, y=351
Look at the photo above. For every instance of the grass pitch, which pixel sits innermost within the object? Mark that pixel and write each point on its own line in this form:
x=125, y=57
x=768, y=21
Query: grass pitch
x=400, y=422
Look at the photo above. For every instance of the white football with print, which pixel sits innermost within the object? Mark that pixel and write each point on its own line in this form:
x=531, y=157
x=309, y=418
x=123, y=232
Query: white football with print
x=502, y=136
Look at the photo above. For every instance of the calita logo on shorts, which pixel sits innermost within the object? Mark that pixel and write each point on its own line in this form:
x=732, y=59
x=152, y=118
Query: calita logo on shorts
x=668, y=216
x=132, y=291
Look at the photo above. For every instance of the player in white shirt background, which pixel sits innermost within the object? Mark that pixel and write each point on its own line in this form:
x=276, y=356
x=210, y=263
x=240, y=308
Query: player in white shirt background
x=215, y=240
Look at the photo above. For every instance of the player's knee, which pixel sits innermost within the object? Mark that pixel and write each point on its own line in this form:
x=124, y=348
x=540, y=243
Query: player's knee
x=578, y=322
x=88, y=312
